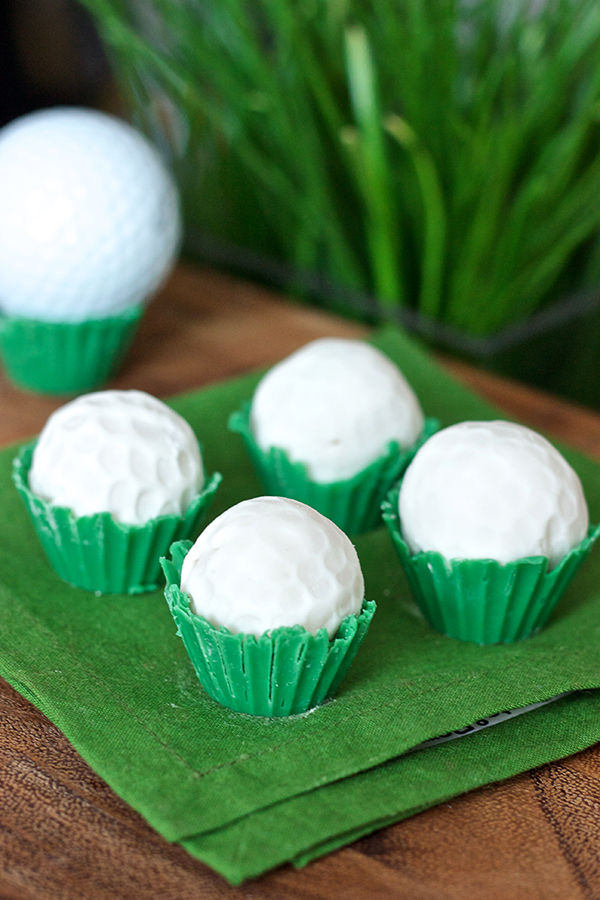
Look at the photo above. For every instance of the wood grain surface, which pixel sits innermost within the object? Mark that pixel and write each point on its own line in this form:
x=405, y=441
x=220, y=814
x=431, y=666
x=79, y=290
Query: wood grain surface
x=64, y=835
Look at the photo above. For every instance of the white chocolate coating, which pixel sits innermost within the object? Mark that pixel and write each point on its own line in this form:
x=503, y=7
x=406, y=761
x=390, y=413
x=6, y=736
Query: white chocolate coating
x=270, y=562
x=492, y=490
x=89, y=216
x=122, y=452
x=335, y=405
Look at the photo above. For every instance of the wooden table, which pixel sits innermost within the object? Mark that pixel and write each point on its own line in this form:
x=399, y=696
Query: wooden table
x=64, y=835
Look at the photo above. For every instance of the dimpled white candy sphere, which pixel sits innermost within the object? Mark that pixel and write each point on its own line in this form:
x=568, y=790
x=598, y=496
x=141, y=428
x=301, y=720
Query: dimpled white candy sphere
x=270, y=562
x=492, y=490
x=122, y=452
x=335, y=405
x=89, y=216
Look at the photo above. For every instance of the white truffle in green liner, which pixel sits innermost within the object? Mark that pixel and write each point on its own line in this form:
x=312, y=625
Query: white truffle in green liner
x=492, y=490
x=271, y=562
x=122, y=452
x=335, y=405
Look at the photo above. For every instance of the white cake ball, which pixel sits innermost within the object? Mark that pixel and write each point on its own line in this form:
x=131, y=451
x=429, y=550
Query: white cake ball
x=270, y=562
x=122, y=452
x=492, y=490
x=335, y=405
x=89, y=216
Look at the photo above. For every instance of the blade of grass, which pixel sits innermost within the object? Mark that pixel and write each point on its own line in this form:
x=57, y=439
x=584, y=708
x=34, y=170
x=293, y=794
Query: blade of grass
x=430, y=298
x=372, y=168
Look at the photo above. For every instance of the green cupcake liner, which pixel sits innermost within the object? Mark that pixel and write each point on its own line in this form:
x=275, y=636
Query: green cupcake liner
x=65, y=357
x=353, y=504
x=482, y=600
x=96, y=552
x=281, y=673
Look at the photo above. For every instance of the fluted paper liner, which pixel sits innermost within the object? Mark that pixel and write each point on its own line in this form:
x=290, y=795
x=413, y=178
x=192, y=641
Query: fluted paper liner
x=482, y=600
x=281, y=673
x=96, y=552
x=65, y=357
x=353, y=504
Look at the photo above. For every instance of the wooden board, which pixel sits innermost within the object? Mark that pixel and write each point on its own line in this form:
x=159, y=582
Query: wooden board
x=64, y=835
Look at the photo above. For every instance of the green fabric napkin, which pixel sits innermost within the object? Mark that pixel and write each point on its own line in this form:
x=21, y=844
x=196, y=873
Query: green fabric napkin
x=244, y=793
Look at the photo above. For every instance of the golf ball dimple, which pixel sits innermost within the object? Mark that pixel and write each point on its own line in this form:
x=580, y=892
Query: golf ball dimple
x=335, y=405
x=122, y=452
x=271, y=562
x=89, y=216
x=492, y=490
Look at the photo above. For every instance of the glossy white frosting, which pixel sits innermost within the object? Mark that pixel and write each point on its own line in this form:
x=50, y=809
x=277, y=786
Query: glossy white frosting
x=492, y=490
x=270, y=562
x=122, y=452
x=335, y=405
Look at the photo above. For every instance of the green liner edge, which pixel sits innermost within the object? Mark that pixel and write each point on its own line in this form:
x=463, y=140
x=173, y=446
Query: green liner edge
x=353, y=504
x=97, y=553
x=281, y=673
x=65, y=357
x=482, y=600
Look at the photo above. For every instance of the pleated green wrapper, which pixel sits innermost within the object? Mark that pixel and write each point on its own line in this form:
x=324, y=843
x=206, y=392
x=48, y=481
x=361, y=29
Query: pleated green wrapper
x=482, y=600
x=65, y=357
x=283, y=673
x=97, y=553
x=353, y=504
x=246, y=793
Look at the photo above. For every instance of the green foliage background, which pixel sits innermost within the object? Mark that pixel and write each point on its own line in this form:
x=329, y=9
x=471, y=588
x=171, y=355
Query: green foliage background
x=439, y=154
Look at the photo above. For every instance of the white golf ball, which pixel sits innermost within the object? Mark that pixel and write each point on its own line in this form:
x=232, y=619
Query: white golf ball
x=122, y=452
x=89, y=216
x=335, y=405
x=492, y=490
x=270, y=562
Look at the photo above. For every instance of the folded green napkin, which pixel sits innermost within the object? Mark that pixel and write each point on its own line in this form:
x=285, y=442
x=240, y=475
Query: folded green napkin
x=245, y=794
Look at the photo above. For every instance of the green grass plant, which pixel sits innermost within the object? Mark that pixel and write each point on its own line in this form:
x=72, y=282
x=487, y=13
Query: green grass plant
x=439, y=154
